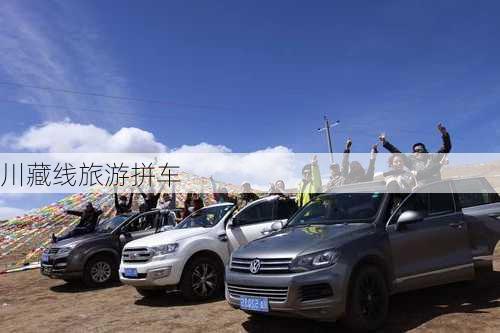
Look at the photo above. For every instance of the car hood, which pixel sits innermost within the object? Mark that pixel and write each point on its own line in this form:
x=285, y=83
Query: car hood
x=75, y=241
x=290, y=242
x=167, y=237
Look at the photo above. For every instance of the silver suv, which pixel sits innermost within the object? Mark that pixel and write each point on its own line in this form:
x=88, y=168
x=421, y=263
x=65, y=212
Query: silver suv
x=344, y=253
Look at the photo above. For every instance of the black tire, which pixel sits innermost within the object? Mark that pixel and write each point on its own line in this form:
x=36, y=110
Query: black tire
x=368, y=300
x=194, y=287
x=100, y=270
x=150, y=293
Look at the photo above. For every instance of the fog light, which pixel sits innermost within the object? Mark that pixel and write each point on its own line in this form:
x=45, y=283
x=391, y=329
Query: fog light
x=160, y=273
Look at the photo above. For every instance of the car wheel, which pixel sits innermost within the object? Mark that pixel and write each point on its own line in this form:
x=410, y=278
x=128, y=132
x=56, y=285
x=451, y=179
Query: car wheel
x=202, y=279
x=368, y=300
x=100, y=271
x=150, y=293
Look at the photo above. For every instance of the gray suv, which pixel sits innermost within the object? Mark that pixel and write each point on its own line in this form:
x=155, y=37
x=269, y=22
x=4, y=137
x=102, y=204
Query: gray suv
x=94, y=258
x=344, y=253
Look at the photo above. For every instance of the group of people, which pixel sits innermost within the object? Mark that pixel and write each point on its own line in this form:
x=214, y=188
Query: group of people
x=406, y=172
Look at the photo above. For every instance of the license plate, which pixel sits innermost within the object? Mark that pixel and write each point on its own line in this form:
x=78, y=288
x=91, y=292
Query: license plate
x=258, y=304
x=130, y=272
x=46, y=270
x=45, y=257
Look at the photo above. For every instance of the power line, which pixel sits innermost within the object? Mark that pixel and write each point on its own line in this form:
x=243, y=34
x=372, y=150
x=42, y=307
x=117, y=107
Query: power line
x=148, y=115
x=124, y=98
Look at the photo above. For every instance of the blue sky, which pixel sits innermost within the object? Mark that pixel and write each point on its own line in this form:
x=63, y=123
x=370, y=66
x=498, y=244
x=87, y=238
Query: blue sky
x=257, y=74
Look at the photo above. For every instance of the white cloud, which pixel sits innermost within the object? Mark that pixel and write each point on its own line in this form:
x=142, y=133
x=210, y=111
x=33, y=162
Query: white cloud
x=69, y=137
x=10, y=212
x=259, y=167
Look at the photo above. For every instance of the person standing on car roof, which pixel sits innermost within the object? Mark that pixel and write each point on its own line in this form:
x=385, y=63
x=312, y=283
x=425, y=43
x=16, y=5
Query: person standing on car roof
x=246, y=196
x=310, y=184
x=354, y=172
x=425, y=167
x=221, y=194
x=151, y=199
x=278, y=188
x=123, y=206
x=88, y=221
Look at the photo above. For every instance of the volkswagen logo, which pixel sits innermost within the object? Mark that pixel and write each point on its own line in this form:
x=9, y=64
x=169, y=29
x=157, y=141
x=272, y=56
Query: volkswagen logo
x=255, y=266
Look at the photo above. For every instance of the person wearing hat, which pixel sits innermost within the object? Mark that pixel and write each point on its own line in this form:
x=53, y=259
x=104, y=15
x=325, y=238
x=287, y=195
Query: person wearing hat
x=426, y=167
x=310, y=184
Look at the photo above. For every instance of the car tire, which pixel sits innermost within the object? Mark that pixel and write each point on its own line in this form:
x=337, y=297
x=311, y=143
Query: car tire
x=368, y=300
x=99, y=271
x=150, y=293
x=202, y=279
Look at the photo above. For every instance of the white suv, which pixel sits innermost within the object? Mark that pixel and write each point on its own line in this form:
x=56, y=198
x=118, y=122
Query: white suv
x=191, y=257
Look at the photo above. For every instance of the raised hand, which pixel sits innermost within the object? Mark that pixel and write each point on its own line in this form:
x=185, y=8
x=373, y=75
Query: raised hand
x=314, y=160
x=381, y=137
x=441, y=128
x=348, y=143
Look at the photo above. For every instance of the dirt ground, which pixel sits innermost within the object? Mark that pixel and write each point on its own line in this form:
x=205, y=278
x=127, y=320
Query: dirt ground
x=30, y=302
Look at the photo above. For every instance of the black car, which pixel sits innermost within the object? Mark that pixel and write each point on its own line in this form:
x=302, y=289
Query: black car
x=94, y=258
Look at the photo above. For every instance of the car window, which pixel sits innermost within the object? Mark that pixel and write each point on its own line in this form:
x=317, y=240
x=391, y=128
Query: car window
x=111, y=224
x=416, y=202
x=286, y=208
x=206, y=217
x=440, y=198
x=143, y=222
x=262, y=211
x=339, y=208
x=475, y=192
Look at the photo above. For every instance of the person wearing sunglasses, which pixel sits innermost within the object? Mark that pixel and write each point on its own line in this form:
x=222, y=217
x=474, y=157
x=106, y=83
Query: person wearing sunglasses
x=426, y=167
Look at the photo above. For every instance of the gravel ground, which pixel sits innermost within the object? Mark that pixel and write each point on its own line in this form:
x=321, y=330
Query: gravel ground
x=30, y=302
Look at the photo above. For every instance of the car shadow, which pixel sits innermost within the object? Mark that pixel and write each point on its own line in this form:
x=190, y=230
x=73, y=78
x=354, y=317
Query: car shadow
x=79, y=287
x=172, y=299
x=407, y=310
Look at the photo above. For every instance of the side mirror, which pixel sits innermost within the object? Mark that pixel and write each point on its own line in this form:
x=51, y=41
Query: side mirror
x=122, y=238
x=408, y=217
x=277, y=226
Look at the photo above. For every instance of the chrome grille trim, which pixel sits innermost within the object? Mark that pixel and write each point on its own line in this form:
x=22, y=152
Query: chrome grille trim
x=274, y=294
x=269, y=266
x=136, y=255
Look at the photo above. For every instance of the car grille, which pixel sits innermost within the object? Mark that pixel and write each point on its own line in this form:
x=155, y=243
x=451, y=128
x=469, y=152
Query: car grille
x=274, y=294
x=142, y=254
x=315, y=291
x=267, y=266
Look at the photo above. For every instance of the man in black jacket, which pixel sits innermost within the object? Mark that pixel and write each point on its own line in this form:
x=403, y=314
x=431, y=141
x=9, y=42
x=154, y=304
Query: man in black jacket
x=425, y=167
x=88, y=221
x=123, y=206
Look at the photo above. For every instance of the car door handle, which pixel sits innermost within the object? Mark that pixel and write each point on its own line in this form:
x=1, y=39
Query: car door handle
x=457, y=225
x=496, y=216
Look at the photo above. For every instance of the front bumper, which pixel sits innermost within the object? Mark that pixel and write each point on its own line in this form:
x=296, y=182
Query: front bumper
x=61, y=267
x=154, y=274
x=327, y=308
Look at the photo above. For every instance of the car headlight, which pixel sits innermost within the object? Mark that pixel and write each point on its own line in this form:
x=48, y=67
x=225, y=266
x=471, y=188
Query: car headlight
x=164, y=249
x=314, y=260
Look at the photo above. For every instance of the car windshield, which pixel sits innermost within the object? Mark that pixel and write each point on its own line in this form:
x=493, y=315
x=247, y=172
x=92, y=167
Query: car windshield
x=205, y=217
x=339, y=208
x=111, y=224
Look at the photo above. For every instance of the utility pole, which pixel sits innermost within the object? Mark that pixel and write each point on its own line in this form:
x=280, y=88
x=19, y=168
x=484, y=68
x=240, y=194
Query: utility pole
x=328, y=135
